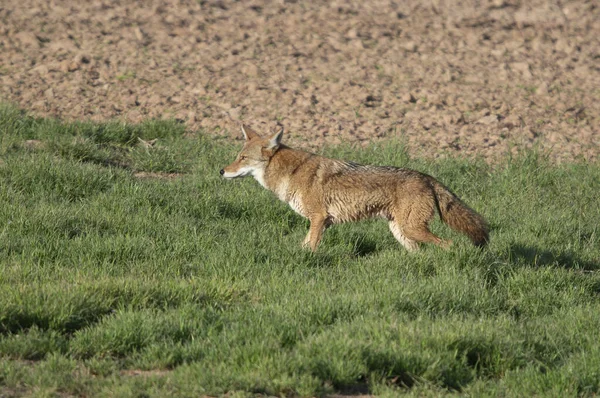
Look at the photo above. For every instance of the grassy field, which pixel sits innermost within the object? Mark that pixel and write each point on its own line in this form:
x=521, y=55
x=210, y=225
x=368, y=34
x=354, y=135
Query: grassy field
x=181, y=283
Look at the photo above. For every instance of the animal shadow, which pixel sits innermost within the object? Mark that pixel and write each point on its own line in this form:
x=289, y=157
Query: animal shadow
x=538, y=257
x=363, y=247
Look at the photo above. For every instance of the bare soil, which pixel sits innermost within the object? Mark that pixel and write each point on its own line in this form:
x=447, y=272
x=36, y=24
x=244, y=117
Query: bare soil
x=470, y=77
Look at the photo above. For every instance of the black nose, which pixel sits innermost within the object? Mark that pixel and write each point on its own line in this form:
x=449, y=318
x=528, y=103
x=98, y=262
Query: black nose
x=222, y=172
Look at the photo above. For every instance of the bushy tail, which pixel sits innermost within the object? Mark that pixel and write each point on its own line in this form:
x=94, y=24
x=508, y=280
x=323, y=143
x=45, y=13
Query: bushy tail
x=461, y=217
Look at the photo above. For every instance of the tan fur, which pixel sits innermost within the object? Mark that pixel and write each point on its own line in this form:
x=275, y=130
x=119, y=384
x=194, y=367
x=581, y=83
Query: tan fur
x=328, y=191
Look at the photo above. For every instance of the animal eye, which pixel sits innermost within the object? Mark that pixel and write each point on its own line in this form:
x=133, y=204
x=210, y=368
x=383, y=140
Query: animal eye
x=243, y=157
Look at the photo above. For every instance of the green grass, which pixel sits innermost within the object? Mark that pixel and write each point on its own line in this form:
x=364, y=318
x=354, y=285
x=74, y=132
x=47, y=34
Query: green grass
x=112, y=285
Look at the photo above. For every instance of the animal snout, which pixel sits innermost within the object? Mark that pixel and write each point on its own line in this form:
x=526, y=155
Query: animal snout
x=221, y=171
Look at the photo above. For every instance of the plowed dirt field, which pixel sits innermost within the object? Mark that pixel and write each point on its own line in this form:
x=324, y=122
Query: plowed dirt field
x=467, y=77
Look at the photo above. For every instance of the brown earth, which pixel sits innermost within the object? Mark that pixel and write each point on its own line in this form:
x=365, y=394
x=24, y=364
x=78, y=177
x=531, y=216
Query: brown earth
x=468, y=77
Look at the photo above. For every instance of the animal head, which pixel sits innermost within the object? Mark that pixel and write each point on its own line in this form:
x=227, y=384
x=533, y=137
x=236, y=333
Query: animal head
x=254, y=156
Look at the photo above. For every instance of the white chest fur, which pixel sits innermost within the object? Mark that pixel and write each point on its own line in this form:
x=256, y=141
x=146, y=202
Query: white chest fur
x=292, y=198
x=282, y=190
x=259, y=175
x=295, y=202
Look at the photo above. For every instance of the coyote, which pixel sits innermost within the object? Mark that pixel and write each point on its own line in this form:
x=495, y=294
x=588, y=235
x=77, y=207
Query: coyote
x=329, y=191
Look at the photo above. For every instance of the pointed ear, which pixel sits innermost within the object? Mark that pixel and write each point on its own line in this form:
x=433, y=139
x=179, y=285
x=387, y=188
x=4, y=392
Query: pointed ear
x=248, y=132
x=275, y=140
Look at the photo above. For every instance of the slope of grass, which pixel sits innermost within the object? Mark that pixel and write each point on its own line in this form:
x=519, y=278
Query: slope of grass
x=111, y=284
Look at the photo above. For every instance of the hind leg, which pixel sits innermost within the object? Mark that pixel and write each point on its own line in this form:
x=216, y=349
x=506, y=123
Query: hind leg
x=423, y=234
x=413, y=224
x=409, y=244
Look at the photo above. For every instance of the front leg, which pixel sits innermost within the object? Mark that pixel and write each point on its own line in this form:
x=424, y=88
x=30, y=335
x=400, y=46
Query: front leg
x=317, y=226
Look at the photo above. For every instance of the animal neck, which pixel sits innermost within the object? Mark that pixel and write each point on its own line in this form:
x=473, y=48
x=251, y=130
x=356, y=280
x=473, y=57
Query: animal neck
x=284, y=163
